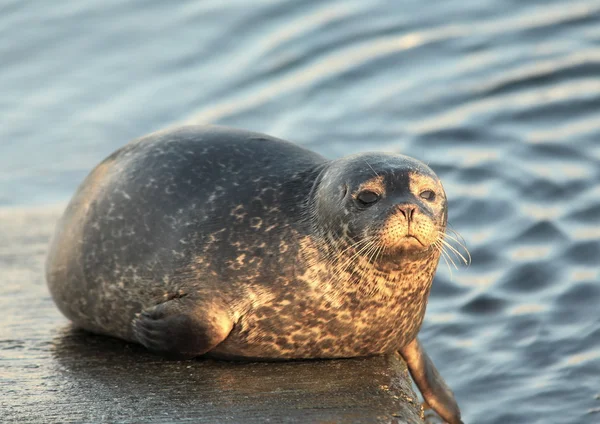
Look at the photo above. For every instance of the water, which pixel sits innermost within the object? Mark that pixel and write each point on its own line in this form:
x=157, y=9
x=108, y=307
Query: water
x=501, y=98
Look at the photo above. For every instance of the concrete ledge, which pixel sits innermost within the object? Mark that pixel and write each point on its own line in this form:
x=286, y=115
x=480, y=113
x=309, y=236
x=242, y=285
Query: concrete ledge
x=50, y=372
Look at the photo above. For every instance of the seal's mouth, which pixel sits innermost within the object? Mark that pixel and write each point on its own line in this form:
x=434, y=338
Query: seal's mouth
x=411, y=240
x=406, y=244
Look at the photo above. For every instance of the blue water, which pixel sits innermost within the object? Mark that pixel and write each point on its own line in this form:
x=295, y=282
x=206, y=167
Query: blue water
x=501, y=98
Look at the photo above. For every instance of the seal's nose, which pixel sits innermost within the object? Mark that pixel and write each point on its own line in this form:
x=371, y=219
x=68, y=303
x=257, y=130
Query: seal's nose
x=408, y=210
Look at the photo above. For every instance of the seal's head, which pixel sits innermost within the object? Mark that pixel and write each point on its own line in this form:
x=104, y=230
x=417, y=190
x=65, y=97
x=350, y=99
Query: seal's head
x=393, y=203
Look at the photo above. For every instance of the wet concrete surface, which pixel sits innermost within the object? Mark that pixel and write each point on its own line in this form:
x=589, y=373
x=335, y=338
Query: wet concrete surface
x=51, y=372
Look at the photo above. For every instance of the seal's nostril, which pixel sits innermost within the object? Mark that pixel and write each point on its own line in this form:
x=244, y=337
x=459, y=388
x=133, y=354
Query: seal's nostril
x=408, y=211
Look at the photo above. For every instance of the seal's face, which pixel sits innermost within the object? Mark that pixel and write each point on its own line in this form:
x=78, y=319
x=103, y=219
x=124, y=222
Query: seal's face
x=393, y=203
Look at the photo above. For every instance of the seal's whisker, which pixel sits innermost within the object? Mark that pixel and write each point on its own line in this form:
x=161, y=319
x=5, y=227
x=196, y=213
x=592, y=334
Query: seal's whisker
x=445, y=253
x=370, y=252
x=372, y=255
x=460, y=241
x=440, y=248
x=372, y=258
x=341, y=269
x=376, y=174
x=443, y=236
x=340, y=253
x=456, y=252
x=368, y=242
x=348, y=262
x=457, y=234
x=367, y=253
x=438, y=245
x=381, y=252
x=450, y=258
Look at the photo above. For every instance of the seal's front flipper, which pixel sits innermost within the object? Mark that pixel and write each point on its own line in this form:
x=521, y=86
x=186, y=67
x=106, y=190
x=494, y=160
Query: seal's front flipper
x=429, y=381
x=183, y=327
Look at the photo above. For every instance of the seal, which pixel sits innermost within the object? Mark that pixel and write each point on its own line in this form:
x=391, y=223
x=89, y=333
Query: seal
x=206, y=240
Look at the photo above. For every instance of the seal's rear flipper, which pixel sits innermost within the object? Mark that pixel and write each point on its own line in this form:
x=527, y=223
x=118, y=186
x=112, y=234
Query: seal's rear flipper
x=183, y=327
x=429, y=381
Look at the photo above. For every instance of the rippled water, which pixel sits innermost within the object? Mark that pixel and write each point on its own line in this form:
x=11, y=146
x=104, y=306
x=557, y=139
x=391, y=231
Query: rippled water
x=501, y=98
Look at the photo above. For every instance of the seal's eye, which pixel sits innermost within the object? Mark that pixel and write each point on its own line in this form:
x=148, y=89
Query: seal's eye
x=428, y=195
x=367, y=198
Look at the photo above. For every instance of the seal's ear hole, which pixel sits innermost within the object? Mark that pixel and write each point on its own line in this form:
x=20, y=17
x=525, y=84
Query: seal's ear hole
x=344, y=191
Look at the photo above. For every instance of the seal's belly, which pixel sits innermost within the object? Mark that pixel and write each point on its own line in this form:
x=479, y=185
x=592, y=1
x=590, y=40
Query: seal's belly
x=316, y=329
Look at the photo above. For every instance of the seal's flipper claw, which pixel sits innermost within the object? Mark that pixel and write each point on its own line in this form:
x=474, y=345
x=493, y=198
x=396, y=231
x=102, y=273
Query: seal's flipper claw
x=182, y=327
x=431, y=384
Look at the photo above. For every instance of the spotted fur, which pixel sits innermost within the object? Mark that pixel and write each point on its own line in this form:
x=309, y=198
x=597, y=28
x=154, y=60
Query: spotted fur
x=262, y=242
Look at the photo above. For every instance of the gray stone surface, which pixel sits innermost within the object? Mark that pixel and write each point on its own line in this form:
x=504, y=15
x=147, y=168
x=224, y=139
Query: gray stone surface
x=50, y=372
